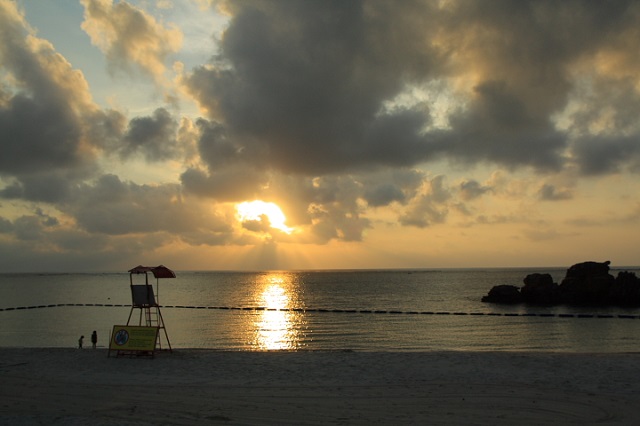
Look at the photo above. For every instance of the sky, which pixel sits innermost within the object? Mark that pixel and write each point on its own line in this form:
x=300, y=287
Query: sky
x=250, y=135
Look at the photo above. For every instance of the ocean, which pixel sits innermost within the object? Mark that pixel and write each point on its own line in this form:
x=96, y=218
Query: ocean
x=362, y=310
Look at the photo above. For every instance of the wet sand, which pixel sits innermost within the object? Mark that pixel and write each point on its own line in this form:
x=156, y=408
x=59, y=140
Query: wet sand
x=75, y=387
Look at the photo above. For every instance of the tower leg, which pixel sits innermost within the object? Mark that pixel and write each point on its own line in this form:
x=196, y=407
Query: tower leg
x=164, y=329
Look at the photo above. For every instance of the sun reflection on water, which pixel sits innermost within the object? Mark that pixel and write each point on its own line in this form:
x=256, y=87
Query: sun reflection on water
x=277, y=329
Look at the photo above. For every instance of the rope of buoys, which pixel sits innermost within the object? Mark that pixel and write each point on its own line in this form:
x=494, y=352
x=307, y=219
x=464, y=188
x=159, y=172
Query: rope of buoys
x=349, y=311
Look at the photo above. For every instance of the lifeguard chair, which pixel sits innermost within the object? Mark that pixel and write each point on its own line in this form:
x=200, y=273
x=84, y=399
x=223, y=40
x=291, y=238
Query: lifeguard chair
x=144, y=299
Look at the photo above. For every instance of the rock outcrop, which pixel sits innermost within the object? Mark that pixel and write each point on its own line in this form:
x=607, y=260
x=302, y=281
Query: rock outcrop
x=505, y=294
x=539, y=289
x=586, y=283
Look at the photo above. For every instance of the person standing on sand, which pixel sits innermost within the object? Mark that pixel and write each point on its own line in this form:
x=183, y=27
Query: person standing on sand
x=80, y=342
x=94, y=339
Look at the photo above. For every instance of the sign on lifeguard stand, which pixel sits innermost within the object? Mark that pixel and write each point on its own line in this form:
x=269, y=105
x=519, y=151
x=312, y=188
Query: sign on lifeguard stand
x=144, y=299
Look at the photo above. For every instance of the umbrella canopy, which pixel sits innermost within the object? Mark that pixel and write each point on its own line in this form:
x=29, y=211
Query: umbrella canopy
x=157, y=271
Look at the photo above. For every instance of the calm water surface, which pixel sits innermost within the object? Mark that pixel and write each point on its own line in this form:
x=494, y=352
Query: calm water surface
x=272, y=312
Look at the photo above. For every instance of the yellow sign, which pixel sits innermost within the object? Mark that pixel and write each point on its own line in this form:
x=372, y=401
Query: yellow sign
x=133, y=338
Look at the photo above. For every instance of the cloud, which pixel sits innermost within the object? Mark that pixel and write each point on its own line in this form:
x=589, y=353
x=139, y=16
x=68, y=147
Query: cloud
x=38, y=133
x=334, y=210
x=383, y=195
x=258, y=225
x=227, y=184
x=346, y=114
x=605, y=130
x=393, y=185
x=541, y=235
x=605, y=155
x=337, y=223
x=130, y=38
x=35, y=242
x=42, y=105
x=303, y=83
x=498, y=128
x=154, y=137
x=50, y=187
x=320, y=90
x=430, y=207
x=51, y=131
x=308, y=86
x=214, y=146
x=471, y=189
x=114, y=207
x=549, y=192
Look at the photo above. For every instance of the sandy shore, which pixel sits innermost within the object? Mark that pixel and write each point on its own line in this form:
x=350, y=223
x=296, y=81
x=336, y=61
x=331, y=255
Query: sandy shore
x=71, y=386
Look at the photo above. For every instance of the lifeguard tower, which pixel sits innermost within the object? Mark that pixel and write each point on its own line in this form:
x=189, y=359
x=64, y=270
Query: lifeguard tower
x=144, y=299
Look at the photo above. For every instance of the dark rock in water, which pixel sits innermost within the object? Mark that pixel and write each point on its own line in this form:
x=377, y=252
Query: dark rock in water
x=625, y=290
x=586, y=283
x=539, y=289
x=506, y=294
x=589, y=291
x=588, y=269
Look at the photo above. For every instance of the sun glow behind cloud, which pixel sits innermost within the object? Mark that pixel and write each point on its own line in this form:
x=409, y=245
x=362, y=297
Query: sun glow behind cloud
x=257, y=211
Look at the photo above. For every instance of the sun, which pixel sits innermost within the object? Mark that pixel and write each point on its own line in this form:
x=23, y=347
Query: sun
x=256, y=211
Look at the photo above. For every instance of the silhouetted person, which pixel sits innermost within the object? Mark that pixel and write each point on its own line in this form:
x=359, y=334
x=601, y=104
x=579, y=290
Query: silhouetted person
x=94, y=339
x=80, y=342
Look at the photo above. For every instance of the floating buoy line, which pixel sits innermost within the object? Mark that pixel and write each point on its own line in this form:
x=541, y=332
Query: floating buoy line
x=341, y=311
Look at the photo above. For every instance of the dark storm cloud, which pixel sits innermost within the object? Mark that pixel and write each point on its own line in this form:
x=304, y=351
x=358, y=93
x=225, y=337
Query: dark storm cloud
x=30, y=228
x=5, y=226
x=549, y=192
x=471, y=189
x=37, y=135
x=228, y=184
x=498, y=128
x=215, y=147
x=383, y=188
x=47, y=187
x=114, y=207
x=44, y=115
x=35, y=243
x=383, y=195
x=305, y=83
x=153, y=136
x=107, y=129
x=232, y=172
x=603, y=155
x=39, y=129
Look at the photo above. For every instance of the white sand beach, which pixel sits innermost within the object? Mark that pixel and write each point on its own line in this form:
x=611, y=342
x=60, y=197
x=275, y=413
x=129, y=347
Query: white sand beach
x=59, y=386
